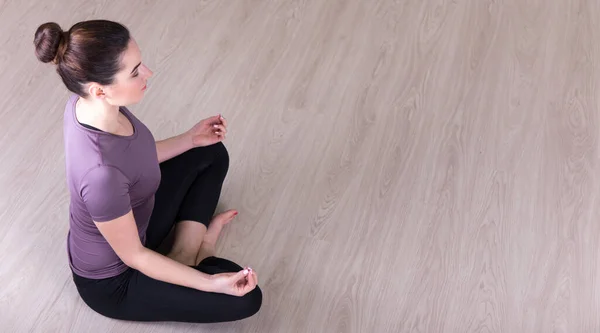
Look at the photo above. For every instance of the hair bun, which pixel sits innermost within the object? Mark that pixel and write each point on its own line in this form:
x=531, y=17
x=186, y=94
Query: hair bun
x=48, y=39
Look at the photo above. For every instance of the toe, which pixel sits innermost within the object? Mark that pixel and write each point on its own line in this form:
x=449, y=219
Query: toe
x=229, y=215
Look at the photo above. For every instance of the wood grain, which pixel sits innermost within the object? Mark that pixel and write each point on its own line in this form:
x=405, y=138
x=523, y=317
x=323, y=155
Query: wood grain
x=399, y=166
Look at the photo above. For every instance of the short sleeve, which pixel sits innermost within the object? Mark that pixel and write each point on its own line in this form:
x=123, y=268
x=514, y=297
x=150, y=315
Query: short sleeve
x=105, y=192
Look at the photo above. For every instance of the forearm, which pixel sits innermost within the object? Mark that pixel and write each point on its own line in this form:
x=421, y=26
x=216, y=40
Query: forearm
x=171, y=147
x=168, y=270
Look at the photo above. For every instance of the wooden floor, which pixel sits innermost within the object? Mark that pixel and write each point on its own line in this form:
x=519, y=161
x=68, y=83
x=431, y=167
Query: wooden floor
x=399, y=166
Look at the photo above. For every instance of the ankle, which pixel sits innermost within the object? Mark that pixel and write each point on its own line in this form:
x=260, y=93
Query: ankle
x=183, y=257
x=205, y=252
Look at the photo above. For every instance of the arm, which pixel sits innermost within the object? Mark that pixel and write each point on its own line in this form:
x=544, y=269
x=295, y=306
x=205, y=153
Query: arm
x=122, y=235
x=171, y=147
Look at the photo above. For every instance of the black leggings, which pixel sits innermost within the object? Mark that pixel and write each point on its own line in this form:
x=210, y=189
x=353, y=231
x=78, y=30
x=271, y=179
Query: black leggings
x=189, y=190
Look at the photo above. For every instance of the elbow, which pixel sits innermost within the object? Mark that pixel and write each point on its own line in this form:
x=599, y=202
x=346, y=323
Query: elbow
x=136, y=258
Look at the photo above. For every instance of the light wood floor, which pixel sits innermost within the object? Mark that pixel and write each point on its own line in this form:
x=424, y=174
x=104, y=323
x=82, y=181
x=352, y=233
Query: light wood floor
x=399, y=166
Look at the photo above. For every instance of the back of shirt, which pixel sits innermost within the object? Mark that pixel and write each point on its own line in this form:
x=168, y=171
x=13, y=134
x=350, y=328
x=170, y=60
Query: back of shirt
x=107, y=175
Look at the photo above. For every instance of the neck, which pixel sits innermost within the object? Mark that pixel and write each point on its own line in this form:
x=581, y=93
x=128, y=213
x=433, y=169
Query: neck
x=98, y=113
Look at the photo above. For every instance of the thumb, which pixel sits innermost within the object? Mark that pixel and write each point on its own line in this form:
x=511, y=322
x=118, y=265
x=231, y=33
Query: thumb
x=241, y=274
x=214, y=120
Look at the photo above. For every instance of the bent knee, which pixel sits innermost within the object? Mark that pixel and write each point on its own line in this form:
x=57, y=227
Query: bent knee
x=221, y=153
x=220, y=157
x=250, y=303
x=214, y=154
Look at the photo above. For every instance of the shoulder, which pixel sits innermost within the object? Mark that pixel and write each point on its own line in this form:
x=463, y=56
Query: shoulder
x=105, y=192
x=103, y=182
x=103, y=175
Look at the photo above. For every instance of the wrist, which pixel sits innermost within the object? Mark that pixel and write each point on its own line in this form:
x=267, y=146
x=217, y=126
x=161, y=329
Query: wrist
x=187, y=139
x=206, y=283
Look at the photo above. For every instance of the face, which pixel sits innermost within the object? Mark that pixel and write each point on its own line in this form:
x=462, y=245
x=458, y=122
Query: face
x=129, y=83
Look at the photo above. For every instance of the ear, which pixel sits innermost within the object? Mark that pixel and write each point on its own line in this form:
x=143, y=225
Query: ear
x=96, y=91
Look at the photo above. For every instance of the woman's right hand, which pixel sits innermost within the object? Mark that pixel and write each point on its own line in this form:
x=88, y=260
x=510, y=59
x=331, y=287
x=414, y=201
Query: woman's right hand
x=236, y=284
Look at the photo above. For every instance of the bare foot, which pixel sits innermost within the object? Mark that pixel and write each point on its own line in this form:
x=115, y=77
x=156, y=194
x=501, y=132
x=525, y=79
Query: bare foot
x=209, y=242
x=216, y=225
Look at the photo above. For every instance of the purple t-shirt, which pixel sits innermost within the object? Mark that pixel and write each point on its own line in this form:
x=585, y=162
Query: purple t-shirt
x=107, y=175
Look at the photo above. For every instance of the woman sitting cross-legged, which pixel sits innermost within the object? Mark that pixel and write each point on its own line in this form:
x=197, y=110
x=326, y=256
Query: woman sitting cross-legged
x=128, y=191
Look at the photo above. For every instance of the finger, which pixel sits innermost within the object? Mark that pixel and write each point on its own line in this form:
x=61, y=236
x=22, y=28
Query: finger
x=253, y=279
x=214, y=119
x=251, y=272
x=220, y=128
x=211, y=120
x=242, y=284
x=245, y=287
x=241, y=275
x=223, y=120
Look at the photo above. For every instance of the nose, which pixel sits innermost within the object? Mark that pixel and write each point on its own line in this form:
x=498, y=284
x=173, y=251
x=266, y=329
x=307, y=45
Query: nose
x=147, y=72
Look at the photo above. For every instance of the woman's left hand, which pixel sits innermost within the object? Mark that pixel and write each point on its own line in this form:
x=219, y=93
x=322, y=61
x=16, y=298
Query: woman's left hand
x=208, y=131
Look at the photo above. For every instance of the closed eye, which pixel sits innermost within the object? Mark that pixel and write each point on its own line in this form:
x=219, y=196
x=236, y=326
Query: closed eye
x=136, y=67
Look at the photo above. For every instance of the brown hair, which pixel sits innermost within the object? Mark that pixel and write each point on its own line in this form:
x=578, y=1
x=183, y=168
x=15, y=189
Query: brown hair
x=88, y=52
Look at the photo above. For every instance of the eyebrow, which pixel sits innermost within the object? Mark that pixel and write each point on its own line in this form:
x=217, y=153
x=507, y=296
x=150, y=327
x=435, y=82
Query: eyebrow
x=136, y=67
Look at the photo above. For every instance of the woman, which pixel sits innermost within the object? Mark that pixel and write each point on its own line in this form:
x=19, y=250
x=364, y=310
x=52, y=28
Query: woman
x=128, y=191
